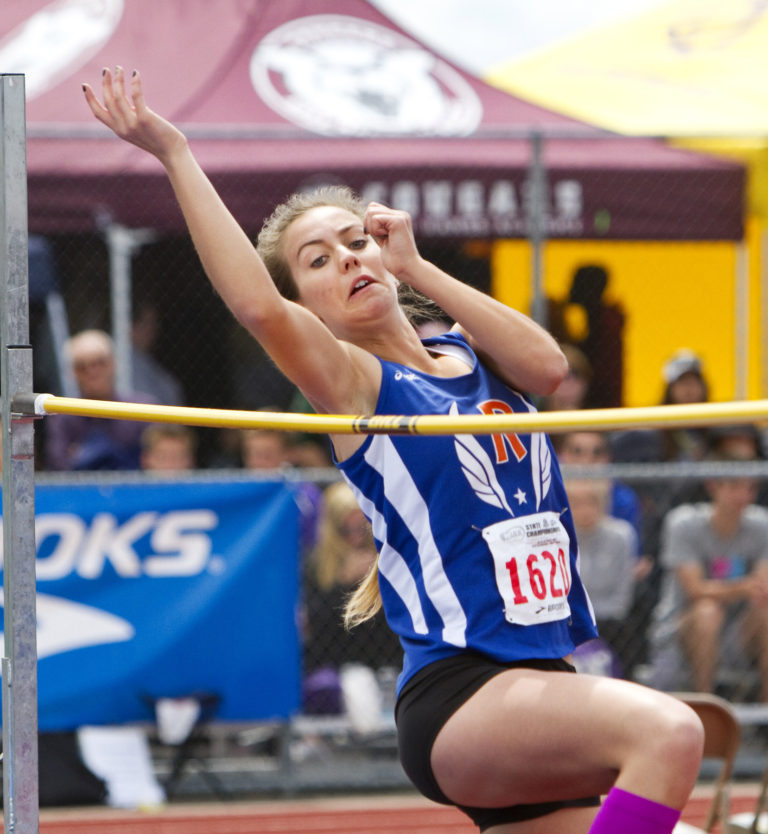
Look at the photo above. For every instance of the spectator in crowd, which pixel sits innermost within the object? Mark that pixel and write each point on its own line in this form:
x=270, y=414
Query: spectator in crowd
x=739, y=442
x=166, y=447
x=724, y=443
x=602, y=337
x=343, y=555
x=308, y=451
x=264, y=448
x=608, y=554
x=685, y=384
x=572, y=392
x=74, y=442
x=148, y=374
x=582, y=448
x=270, y=449
x=714, y=602
x=638, y=506
x=589, y=319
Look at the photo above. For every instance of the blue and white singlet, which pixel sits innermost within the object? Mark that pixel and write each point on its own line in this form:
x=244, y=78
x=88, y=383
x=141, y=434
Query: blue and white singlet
x=476, y=543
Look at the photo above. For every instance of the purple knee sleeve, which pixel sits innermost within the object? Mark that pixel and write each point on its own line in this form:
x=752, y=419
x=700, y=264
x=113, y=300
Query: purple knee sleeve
x=631, y=814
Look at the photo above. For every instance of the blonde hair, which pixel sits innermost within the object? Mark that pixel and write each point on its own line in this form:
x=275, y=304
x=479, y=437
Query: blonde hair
x=365, y=601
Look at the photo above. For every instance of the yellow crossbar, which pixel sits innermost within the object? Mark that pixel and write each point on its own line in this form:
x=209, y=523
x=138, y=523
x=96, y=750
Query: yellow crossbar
x=602, y=419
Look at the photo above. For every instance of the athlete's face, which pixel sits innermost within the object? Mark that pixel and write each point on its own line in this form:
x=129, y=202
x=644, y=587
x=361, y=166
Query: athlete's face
x=338, y=269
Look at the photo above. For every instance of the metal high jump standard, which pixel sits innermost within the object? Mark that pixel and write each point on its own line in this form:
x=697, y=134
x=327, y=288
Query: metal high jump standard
x=19, y=662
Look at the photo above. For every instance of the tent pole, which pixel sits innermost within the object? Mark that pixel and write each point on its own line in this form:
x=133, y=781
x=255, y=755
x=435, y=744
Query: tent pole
x=741, y=348
x=19, y=663
x=537, y=220
x=122, y=244
x=762, y=254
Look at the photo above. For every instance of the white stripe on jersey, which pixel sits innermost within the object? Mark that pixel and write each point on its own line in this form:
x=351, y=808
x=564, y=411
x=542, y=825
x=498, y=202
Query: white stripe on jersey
x=392, y=566
x=541, y=460
x=401, y=491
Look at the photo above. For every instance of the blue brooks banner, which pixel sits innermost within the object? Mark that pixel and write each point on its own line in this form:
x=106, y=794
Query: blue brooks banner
x=166, y=589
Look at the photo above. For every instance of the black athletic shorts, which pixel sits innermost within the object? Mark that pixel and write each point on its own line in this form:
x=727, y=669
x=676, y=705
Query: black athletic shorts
x=430, y=698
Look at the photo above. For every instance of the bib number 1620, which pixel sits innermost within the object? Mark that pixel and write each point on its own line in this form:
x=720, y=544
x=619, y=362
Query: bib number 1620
x=547, y=575
x=532, y=567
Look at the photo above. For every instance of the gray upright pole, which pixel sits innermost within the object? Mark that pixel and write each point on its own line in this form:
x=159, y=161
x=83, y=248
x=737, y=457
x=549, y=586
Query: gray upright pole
x=19, y=664
x=123, y=244
x=537, y=227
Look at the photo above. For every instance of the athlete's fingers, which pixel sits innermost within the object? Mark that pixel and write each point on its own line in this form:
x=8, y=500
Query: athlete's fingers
x=97, y=108
x=137, y=93
x=121, y=104
x=107, y=89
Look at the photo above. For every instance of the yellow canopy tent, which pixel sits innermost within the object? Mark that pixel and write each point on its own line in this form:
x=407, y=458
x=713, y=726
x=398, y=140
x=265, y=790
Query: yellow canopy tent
x=692, y=71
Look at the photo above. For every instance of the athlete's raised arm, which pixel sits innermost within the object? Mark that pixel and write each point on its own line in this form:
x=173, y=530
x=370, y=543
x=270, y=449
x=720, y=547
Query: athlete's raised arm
x=301, y=345
x=521, y=352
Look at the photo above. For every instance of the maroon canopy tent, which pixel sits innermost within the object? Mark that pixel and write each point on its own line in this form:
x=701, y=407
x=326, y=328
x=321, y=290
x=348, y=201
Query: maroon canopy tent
x=276, y=96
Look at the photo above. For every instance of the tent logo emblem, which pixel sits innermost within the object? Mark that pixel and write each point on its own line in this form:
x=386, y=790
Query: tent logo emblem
x=57, y=40
x=341, y=75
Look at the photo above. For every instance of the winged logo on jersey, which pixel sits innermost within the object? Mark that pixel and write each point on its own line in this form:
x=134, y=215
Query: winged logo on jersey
x=541, y=467
x=478, y=469
x=541, y=462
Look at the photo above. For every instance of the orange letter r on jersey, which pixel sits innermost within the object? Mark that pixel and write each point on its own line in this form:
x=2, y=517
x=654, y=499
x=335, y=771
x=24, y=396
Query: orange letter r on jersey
x=500, y=407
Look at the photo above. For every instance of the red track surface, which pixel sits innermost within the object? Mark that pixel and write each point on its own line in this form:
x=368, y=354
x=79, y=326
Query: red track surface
x=362, y=815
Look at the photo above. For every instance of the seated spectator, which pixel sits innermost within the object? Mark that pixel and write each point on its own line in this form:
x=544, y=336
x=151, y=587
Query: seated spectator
x=147, y=373
x=739, y=442
x=727, y=443
x=74, y=442
x=343, y=556
x=270, y=449
x=591, y=447
x=607, y=554
x=637, y=505
x=685, y=384
x=264, y=449
x=714, y=602
x=166, y=447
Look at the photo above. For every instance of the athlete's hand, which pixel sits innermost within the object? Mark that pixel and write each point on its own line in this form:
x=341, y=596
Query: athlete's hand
x=393, y=231
x=126, y=113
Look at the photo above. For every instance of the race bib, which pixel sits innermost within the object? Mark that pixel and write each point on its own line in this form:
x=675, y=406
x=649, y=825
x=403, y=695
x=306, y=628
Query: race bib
x=533, y=567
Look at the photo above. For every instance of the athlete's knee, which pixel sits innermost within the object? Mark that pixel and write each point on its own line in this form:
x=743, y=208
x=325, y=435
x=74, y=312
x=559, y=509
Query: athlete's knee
x=676, y=736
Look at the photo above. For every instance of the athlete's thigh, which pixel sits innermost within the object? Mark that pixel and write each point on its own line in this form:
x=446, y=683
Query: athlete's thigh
x=530, y=736
x=567, y=821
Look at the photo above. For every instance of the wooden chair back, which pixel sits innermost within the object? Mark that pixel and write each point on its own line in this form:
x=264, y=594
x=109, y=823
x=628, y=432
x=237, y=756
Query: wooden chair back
x=722, y=736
